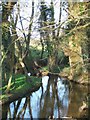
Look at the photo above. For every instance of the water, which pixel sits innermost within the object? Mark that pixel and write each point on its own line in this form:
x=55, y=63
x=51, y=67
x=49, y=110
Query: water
x=55, y=98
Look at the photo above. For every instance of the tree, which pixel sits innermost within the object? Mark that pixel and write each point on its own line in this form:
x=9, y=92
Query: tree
x=7, y=44
x=49, y=34
x=13, y=52
x=77, y=38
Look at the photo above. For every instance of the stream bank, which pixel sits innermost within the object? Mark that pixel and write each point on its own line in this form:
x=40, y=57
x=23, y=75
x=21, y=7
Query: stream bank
x=21, y=91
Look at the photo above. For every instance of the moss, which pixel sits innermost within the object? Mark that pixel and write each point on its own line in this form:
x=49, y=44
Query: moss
x=55, y=69
x=66, y=70
x=3, y=97
x=20, y=87
x=45, y=68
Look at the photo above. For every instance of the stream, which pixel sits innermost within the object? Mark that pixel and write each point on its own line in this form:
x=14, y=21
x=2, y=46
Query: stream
x=56, y=98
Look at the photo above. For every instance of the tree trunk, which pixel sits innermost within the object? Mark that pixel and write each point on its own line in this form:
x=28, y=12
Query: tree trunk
x=78, y=70
x=53, y=47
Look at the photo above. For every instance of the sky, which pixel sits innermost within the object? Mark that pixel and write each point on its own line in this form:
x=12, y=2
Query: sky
x=25, y=11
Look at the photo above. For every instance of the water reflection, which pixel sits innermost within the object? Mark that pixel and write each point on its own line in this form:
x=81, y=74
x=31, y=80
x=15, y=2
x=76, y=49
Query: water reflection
x=76, y=98
x=53, y=99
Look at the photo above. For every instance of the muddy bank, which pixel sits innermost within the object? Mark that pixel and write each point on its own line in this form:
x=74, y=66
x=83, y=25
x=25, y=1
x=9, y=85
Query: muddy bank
x=66, y=76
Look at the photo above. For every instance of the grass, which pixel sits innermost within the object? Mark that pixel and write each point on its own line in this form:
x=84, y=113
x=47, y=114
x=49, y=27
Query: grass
x=19, y=80
x=20, y=86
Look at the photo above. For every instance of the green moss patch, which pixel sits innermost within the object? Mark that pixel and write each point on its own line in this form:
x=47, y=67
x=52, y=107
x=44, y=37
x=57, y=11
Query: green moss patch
x=19, y=88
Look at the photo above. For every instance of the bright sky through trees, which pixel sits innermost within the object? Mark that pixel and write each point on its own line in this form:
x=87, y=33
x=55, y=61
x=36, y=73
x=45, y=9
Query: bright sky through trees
x=25, y=13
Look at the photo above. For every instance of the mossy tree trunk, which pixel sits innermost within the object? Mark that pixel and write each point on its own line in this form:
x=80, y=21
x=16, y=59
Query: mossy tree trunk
x=77, y=42
x=7, y=45
x=53, y=42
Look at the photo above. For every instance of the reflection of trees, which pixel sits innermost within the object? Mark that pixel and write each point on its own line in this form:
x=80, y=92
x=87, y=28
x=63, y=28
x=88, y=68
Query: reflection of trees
x=29, y=107
x=76, y=96
x=44, y=108
x=50, y=99
x=22, y=111
x=9, y=112
x=49, y=102
x=19, y=113
x=41, y=96
x=5, y=111
x=58, y=103
x=16, y=108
